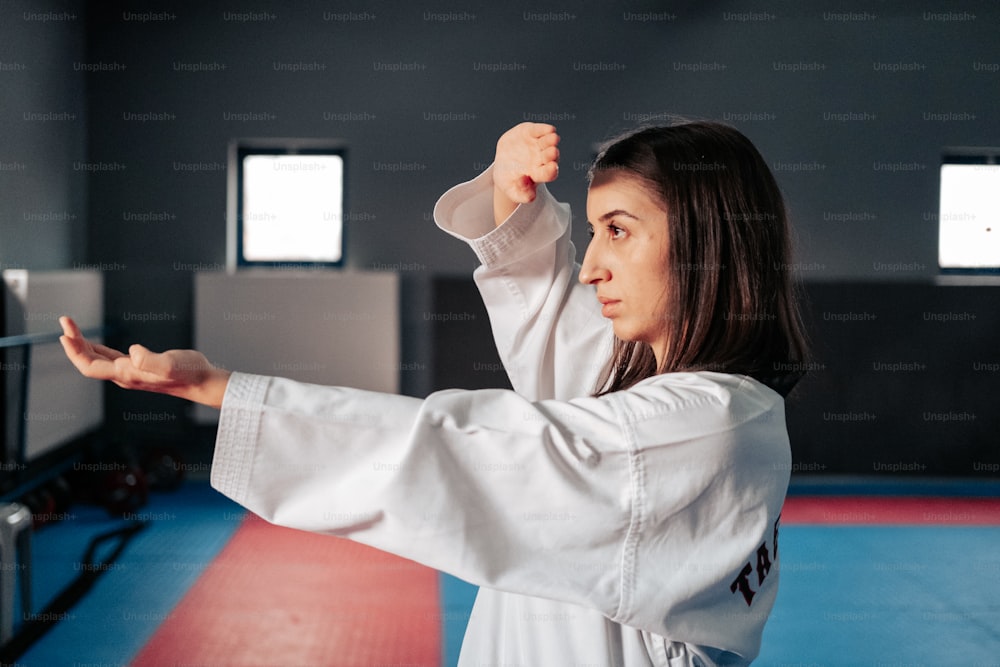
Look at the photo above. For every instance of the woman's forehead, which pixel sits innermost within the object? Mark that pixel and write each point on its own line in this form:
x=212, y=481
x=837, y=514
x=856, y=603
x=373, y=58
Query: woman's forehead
x=610, y=190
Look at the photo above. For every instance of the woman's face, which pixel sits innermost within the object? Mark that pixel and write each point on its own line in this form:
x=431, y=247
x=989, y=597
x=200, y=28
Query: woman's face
x=626, y=260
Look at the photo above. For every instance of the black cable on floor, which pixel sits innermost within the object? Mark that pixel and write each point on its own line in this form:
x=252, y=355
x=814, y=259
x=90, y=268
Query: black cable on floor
x=35, y=627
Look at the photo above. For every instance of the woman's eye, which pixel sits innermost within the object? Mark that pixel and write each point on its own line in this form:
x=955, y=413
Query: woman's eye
x=614, y=231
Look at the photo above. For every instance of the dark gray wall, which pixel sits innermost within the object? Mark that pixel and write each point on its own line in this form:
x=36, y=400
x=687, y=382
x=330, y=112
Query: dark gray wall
x=902, y=382
x=43, y=132
x=851, y=110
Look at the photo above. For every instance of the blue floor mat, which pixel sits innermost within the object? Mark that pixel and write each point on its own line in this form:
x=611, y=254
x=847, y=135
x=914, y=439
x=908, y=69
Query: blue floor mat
x=849, y=595
x=886, y=595
x=187, y=528
x=866, y=596
x=457, y=597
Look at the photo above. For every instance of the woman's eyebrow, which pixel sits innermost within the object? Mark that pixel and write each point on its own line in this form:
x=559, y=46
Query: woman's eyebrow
x=615, y=213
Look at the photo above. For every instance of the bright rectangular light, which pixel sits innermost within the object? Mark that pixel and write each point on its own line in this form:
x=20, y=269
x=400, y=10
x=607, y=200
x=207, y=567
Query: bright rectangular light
x=292, y=208
x=969, y=216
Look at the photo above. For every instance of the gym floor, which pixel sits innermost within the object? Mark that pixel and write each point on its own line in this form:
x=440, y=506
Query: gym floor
x=871, y=575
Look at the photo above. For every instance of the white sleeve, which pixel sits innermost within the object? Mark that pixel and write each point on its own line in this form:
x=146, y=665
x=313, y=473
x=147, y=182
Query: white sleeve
x=481, y=484
x=644, y=505
x=548, y=327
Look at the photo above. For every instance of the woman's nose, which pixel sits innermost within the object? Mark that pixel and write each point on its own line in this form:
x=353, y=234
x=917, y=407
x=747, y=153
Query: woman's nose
x=592, y=271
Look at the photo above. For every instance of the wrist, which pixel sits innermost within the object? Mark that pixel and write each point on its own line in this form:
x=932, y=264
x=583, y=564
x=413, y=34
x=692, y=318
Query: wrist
x=212, y=389
x=503, y=206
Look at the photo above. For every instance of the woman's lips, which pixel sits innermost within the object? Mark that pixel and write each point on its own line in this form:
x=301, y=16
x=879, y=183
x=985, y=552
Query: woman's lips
x=608, y=306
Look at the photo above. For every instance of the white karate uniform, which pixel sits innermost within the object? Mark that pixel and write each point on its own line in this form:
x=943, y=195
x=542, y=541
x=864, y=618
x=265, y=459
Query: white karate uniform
x=638, y=528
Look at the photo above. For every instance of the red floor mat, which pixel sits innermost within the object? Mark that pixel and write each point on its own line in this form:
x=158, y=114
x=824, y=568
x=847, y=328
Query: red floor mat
x=276, y=596
x=891, y=510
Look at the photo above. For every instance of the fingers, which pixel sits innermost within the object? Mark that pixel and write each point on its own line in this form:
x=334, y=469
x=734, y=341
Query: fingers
x=529, y=149
x=71, y=346
x=106, y=351
x=524, y=190
x=526, y=155
x=532, y=136
x=69, y=327
x=550, y=154
x=73, y=340
x=546, y=167
x=541, y=138
x=90, y=365
x=91, y=359
x=546, y=173
x=547, y=139
x=539, y=130
x=77, y=350
x=154, y=363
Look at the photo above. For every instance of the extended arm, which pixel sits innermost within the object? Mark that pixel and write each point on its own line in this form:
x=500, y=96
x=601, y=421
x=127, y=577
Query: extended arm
x=644, y=505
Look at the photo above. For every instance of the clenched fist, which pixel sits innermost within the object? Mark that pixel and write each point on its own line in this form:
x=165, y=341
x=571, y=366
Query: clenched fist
x=527, y=154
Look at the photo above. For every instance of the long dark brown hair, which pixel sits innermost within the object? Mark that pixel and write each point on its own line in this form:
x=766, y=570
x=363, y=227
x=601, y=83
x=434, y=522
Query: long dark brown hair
x=731, y=295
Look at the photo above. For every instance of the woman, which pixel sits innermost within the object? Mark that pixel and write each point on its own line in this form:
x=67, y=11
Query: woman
x=620, y=513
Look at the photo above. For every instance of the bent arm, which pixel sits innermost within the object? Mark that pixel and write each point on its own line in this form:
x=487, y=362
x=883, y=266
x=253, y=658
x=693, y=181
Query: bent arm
x=548, y=328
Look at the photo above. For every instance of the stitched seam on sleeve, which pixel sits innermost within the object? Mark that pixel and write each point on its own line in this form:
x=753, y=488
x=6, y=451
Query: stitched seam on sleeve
x=492, y=247
x=637, y=481
x=239, y=425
